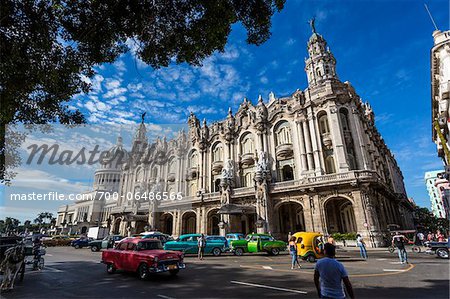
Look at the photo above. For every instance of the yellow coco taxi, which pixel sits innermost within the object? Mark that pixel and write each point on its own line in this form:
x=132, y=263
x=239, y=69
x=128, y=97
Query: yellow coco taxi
x=309, y=245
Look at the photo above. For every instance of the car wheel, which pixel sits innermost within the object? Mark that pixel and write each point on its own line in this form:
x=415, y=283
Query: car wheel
x=110, y=269
x=143, y=271
x=174, y=272
x=391, y=249
x=442, y=253
x=77, y=246
x=416, y=249
x=238, y=251
x=311, y=258
x=94, y=248
x=216, y=251
x=274, y=251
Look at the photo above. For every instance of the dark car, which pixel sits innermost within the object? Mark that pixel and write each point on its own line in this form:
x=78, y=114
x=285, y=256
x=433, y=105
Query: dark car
x=81, y=242
x=439, y=248
x=107, y=242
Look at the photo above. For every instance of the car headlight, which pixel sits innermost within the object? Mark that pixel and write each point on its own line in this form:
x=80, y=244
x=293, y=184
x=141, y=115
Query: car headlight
x=156, y=259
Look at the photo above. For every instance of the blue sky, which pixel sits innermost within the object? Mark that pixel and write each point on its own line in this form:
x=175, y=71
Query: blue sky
x=381, y=47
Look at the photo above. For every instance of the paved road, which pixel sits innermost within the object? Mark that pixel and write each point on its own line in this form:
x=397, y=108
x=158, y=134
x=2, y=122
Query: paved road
x=78, y=273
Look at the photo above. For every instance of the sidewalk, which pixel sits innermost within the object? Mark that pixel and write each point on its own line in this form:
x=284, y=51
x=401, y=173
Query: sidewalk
x=353, y=248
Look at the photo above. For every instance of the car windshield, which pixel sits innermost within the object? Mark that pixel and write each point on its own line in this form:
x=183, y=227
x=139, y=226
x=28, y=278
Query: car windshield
x=149, y=245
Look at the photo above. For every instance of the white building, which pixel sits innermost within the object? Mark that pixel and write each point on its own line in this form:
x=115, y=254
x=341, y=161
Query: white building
x=440, y=93
x=312, y=160
x=438, y=187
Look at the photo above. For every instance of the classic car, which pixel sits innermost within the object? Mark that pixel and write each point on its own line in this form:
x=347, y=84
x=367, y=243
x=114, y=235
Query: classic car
x=143, y=256
x=235, y=236
x=81, y=242
x=309, y=245
x=105, y=243
x=188, y=244
x=58, y=241
x=441, y=249
x=258, y=243
x=156, y=235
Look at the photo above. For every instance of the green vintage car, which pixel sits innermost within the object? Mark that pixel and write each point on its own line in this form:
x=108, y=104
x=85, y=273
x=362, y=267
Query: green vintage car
x=258, y=243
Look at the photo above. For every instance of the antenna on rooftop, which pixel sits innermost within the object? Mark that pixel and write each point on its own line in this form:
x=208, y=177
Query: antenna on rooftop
x=431, y=17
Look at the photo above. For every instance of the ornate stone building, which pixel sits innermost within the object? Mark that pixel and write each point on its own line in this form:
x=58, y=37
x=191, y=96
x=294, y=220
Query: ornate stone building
x=310, y=161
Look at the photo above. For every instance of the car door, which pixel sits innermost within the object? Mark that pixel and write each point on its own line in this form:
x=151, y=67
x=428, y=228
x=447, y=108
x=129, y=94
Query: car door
x=191, y=244
x=253, y=244
x=119, y=255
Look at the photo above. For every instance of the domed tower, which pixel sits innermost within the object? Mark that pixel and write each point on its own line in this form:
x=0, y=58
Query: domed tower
x=107, y=177
x=321, y=64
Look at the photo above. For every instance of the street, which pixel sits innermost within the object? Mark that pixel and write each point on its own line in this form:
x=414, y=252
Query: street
x=77, y=273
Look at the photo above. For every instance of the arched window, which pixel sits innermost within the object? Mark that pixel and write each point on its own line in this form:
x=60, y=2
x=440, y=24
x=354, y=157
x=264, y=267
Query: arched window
x=343, y=114
x=283, y=133
x=329, y=165
x=218, y=152
x=287, y=173
x=247, y=180
x=318, y=72
x=172, y=165
x=247, y=146
x=193, y=159
x=323, y=124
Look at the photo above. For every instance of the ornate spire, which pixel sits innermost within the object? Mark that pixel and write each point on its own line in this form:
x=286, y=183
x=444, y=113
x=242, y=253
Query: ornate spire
x=321, y=64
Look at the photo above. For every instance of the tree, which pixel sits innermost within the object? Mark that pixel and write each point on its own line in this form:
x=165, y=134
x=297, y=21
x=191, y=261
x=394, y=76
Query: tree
x=49, y=48
x=426, y=221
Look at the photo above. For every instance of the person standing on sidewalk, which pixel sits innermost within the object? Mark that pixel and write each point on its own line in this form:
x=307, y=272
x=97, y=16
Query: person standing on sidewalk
x=201, y=243
x=329, y=275
x=362, y=246
x=399, y=241
x=293, y=252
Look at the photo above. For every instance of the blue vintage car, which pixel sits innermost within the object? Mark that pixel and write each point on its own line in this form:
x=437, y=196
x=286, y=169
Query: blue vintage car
x=215, y=245
x=81, y=242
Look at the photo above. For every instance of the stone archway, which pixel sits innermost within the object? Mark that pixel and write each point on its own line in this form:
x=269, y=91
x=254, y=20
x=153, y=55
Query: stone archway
x=291, y=218
x=189, y=223
x=166, y=223
x=340, y=216
x=212, y=223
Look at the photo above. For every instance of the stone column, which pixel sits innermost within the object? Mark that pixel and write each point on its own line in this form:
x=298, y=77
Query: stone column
x=308, y=145
x=360, y=146
x=304, y=165
x=338, y=140
x=314, y=142
x=297, y=152
x=198, y=221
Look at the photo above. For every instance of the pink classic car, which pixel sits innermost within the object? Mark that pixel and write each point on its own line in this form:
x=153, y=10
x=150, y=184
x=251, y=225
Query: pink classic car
x=143, y=256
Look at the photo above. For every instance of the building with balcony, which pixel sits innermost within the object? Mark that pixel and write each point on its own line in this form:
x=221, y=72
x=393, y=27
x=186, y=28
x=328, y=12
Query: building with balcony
x=440, y=94
x=438, y=190
x=309, y=161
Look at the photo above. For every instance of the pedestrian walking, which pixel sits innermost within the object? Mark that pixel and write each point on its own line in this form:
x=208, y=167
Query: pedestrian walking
x=399, y=241
x=293, y=252
x=421, y=238
x=329, y=275
x=331, y=240
x=362, y=246
x=201, y=243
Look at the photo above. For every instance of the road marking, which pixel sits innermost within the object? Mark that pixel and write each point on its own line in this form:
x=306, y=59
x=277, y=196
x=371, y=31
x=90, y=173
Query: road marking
x=268, y=267
x=164, y=297
x=48, y=254
x=394, y=270
x=381, y=259
x=267, y=287
x=395, y=263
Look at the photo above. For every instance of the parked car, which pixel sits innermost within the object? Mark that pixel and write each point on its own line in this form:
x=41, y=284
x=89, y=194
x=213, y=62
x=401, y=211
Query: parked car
x=81, y=242
x=235, y=236
x=441, y=249
x=258, y=243
x=143, y=256
x=58, y=241
x=105, y=243
x=309, y=245
x=188, y=244
x=156, y=235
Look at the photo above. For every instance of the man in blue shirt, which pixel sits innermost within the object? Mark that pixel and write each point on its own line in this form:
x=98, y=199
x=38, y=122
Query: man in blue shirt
x=329, y=275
